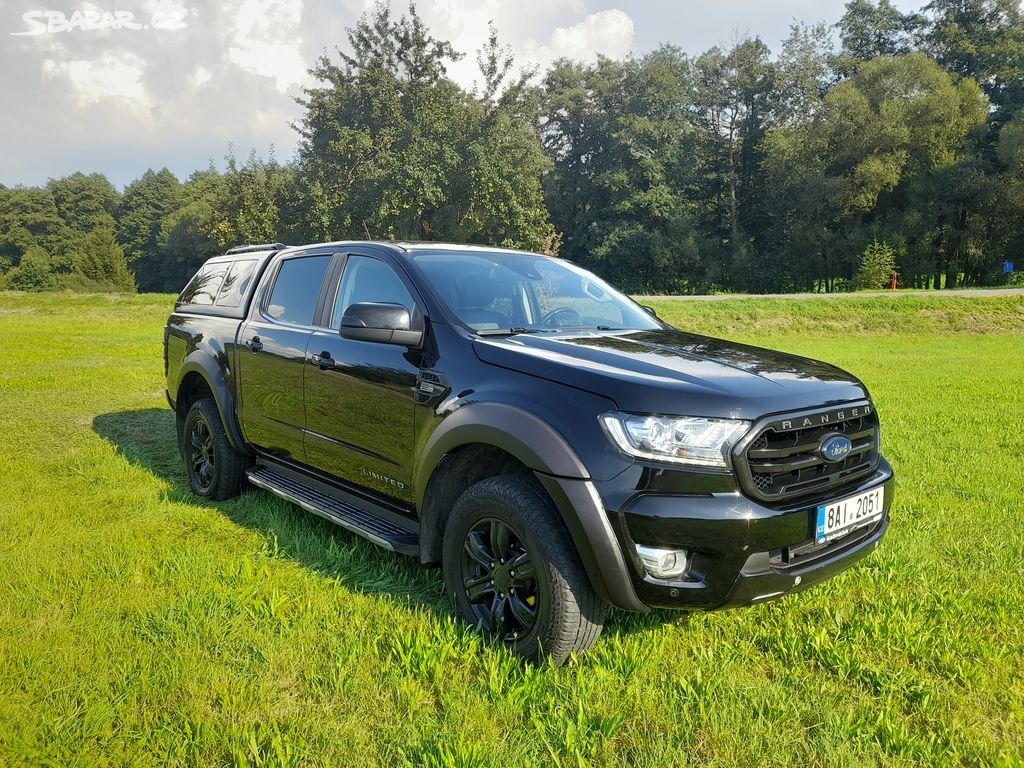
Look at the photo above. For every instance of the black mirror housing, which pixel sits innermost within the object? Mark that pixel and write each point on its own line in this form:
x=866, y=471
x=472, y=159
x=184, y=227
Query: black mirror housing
x=380, y=322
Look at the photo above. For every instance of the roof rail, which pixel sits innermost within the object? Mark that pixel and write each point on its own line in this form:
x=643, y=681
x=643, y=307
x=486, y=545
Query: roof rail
x=256, y=247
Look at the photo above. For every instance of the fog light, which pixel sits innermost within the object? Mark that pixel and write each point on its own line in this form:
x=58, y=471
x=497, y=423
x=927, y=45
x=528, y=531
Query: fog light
x=661, y=563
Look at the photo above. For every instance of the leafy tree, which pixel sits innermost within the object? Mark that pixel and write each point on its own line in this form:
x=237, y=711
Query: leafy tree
x=29, y=218
x=84, y=202
x=896, y=123
x=1004, y=235
x=393, y=147
x=876, y=266
x=140, y=215
x=246, y=205
x=663, y=172
x=194, y=232
x=735, y=95
x=620, y=137
x=33, y=273
x=868, y=30
x=99, y=258
x=803, y=72
x=1010, y=149
x=982, y=40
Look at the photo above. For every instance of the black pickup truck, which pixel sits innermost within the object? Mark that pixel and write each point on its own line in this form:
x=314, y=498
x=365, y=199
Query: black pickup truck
x=555, y=446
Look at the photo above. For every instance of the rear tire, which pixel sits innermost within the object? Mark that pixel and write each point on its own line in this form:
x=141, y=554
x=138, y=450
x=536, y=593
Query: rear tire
x=215, y=469
x=546, y=608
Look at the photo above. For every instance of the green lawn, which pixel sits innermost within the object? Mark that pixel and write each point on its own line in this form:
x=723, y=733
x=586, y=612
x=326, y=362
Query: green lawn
x=140, y=625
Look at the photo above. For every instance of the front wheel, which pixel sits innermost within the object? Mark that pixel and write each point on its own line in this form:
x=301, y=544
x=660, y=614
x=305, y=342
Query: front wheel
x=215, y=469
x=511, y=569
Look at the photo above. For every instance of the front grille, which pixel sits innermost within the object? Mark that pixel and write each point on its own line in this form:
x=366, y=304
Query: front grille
x=782, y=460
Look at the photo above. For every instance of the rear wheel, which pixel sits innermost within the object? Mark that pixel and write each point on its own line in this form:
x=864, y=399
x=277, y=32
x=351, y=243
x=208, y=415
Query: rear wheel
x=215, y=469
x=512, y=570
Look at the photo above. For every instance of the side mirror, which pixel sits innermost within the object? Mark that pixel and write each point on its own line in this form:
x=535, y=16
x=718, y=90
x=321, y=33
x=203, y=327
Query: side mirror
x=379, y=322
x=649, y=310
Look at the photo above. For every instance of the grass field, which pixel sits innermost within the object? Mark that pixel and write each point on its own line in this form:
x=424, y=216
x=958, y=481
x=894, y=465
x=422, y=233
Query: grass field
x=140, y=625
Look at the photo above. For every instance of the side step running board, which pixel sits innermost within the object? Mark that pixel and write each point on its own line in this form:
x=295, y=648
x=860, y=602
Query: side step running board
x=380, y=531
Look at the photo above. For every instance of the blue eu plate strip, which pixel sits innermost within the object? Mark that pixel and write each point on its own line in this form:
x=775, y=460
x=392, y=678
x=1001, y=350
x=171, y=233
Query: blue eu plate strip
x=819, y=530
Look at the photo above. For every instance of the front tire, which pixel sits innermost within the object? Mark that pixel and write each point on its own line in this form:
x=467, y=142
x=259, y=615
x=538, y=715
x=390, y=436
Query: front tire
x=215, y=469
x=511, y=569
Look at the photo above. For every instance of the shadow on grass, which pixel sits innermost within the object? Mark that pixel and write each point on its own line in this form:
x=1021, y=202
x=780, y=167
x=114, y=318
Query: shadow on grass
x=146, y=438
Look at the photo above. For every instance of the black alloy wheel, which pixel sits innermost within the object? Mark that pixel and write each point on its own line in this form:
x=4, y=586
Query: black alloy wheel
x=511, y=569
x=200, y=455
x=215, y=469
x=500, y=581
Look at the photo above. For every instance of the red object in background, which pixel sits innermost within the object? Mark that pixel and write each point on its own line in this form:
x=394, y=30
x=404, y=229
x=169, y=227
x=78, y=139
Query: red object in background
x=895, y=276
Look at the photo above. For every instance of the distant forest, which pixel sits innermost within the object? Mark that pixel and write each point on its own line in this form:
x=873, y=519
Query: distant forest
x=887, y=141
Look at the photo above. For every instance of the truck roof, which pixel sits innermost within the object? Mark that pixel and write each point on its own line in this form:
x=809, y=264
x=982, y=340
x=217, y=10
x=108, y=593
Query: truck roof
x=220, y=288
x=411, y=246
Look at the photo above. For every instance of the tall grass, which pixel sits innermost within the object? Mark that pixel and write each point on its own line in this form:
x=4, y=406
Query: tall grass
x=140, y=625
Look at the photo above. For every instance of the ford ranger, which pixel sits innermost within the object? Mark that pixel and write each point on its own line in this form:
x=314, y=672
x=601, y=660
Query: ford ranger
x=552, y=444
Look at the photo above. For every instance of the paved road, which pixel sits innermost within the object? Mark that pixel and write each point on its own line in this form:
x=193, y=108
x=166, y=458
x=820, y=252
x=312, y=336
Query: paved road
x=858, y=294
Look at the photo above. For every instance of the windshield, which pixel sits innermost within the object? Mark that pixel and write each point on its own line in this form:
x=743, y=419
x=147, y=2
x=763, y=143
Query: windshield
x=527, y=293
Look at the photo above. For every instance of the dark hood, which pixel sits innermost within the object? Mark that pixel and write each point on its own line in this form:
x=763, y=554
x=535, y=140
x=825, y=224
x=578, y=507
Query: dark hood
x=669, y=371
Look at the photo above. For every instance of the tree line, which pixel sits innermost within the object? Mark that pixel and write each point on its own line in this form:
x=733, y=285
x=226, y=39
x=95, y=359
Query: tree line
x=887, y=141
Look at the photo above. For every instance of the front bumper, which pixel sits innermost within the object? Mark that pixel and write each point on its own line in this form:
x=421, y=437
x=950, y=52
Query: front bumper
x=742, y=551
x=758, y=581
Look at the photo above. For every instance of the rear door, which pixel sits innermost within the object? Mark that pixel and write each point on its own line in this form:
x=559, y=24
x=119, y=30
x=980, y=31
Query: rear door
x=360, y=405
x=272, y=353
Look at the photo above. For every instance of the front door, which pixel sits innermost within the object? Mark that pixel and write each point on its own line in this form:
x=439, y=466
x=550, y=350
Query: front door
x=360, y=394
x=272, y=356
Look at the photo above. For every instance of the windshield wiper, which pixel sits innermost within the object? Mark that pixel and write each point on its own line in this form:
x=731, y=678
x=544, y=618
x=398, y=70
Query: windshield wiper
x=579, y=328
x=509, y=331
x=515, y=330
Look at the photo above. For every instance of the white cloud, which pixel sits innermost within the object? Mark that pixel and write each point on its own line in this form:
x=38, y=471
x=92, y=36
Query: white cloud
x=609, y=33
x=281, y=61
x=108, y=76
x=267, y=40
x=119, y=101
x=464, y=23
x=201, y=76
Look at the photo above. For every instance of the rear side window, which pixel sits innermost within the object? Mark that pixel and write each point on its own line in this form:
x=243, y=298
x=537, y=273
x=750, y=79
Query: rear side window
x=236, y=284
x=203, y=288
x=297, y=288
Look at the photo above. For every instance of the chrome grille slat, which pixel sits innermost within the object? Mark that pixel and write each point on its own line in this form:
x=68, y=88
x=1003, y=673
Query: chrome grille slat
x=769, y=453
x=807, y=460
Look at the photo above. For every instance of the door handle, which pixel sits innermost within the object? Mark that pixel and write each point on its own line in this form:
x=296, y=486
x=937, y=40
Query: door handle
x=324, y=360
x=254, y=344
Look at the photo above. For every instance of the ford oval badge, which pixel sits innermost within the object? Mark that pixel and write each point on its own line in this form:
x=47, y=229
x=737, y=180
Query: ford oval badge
x=834, y=448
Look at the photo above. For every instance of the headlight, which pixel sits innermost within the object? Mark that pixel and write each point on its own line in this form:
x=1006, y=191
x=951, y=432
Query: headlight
x=679, y=439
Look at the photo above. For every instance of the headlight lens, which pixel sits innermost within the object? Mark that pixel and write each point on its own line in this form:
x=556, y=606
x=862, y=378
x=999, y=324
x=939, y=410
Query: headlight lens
x=680, y=439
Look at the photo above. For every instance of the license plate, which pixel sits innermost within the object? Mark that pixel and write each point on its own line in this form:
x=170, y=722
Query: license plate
x=837, y=519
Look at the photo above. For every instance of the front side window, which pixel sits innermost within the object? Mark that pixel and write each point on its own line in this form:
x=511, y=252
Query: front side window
x=497, y=291
x=369, y=279
x=297, y=288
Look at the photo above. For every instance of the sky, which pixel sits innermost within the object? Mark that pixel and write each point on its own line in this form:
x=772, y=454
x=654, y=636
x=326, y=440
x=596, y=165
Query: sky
x=119, y=88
